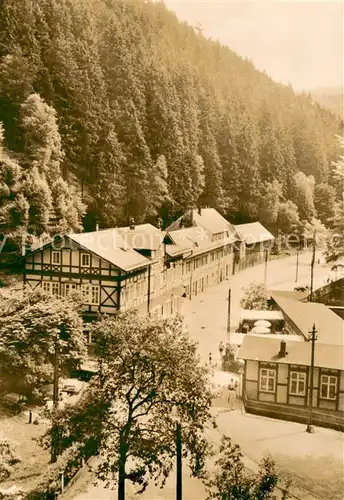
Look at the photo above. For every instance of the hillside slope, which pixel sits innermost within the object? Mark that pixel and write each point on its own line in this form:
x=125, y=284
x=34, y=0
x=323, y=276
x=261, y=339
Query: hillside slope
x=331, y=98
x=153, y=118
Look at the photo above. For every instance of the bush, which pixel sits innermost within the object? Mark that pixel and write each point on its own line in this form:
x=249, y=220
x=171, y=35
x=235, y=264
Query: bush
x=255, y=297
x=8, y=458
x=50, y=484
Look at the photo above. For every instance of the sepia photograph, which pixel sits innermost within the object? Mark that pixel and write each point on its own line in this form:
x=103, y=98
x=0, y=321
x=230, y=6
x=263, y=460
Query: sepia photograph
x=171, y=250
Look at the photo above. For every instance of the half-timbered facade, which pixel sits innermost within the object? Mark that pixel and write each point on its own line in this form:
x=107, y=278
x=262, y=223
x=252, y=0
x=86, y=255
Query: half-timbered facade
x=114, y=269
x=139, y=266
x=277, y=373
x=101, y=265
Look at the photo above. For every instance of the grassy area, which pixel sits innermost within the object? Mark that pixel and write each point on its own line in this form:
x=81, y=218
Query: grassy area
x=33, y=458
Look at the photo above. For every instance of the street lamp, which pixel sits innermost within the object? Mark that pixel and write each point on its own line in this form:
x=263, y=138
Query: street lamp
x=312, y=339
x=297, y=265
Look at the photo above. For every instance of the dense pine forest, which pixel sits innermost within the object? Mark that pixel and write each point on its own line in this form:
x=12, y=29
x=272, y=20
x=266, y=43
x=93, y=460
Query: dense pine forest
x=113, y=109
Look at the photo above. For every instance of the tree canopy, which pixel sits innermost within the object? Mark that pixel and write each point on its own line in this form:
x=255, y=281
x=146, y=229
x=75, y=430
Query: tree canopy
x=144, y=117
x=255, y=297
x=150, y=377
x=32, y=325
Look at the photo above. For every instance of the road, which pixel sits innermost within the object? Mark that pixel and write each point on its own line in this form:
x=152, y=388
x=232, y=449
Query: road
x=206, y=319
x=206, y=314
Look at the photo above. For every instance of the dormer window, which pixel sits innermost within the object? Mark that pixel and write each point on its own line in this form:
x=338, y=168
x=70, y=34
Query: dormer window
x=56, y=258
x=85, y=260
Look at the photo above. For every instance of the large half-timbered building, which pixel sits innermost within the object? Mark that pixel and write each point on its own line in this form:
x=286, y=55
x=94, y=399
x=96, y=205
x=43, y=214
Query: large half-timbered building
x=138, y=266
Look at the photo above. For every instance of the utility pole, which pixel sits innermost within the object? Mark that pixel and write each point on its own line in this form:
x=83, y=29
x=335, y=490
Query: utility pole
x=312, y=266
x=53, y=456
x=312, y=339
x=179, y=461
x=229, y=315
x=297, y=264
x=149, y=290
x=266, y=267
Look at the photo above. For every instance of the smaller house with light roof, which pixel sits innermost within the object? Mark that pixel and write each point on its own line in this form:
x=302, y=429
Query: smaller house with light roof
x=276, y=380
x=257, y=243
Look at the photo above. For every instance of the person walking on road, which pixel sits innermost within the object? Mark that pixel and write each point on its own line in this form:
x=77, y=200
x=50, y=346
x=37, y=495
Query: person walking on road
x=231, y=396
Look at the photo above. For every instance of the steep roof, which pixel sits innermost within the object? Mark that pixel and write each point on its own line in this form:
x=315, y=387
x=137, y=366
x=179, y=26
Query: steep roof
x=330, y=327
x=253, y=232
x=209, y=219
x=111, y=246
x=142, y=237
x=298, y=353
x=196, y=239
x=190, y=236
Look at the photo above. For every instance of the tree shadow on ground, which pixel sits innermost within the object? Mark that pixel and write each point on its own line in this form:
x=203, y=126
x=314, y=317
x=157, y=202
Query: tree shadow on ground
x=323, y=476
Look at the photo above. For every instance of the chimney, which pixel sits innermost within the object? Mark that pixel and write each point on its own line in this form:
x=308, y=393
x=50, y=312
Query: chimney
x=131, y=223
x=283, y=349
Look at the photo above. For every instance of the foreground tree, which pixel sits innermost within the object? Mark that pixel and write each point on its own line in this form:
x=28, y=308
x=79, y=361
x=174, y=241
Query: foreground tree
x=255, y=297
x=150, y=378
x=39, y=333
x=233, y=482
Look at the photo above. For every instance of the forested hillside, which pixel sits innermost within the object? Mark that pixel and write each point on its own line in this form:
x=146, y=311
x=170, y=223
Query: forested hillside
x=142, y=116
x=331, y=98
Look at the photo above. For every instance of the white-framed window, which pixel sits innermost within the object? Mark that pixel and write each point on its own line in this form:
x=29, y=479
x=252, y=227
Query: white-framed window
x=297, y=384
x=91, y=294
x=328, y=387
x=56, y=257
x=51, y=287
x=267, y=380
x=69, y=287
x=46, y=286
x=55, y=288
x=85, y=260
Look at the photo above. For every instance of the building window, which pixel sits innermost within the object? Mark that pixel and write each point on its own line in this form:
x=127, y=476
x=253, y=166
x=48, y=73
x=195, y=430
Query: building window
x=55, y=289
x=91, y=294
x=69, y=287
x=267, y=380
x=328, y=387
x=297, y=384
x=85, y=260
x=51, y=287
x=56, y=258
